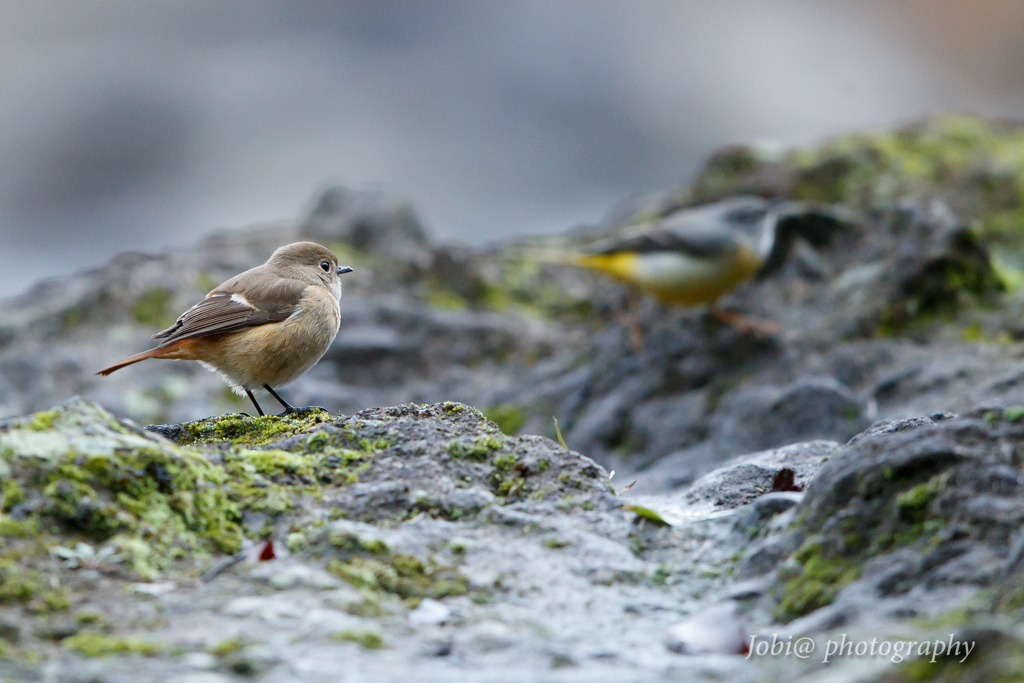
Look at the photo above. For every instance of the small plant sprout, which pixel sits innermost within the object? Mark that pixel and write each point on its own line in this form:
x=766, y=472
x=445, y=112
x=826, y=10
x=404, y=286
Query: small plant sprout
x=558, y=432
x=84, y=556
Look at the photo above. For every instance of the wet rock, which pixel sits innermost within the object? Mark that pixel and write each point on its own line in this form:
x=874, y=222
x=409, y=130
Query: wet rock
x=767, y=506
x=199, y=677
x=746, y=478
x=430, y=613
x=10, y=629
x=896, y=321
x=939, y=488
x=809, y=408
x=715, y=630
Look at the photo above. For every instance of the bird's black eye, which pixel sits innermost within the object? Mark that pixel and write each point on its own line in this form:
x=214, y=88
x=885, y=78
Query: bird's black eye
x=325, y=266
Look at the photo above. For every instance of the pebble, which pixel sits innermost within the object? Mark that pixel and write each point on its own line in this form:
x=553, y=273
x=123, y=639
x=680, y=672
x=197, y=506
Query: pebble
x=715, y=630
x=430, y=612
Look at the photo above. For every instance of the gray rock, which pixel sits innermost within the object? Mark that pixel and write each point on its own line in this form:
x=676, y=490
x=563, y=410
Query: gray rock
x=368, y=221
x=764, y=508
x=521, y=538
x=749, y=477
x=760, y=417
x=714, y=630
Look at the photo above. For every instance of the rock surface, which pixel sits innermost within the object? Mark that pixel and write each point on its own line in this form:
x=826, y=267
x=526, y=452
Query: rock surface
x=856, y=474
x=420, y=542
x=887, y=319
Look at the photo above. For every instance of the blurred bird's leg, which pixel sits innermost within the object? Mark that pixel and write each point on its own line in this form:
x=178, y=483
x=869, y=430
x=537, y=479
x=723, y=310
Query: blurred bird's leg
x=745, y=323
x=634, y=298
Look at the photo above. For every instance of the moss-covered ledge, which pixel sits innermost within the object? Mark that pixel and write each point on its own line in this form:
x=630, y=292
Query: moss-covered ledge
x=906, y=498
x=78, y=475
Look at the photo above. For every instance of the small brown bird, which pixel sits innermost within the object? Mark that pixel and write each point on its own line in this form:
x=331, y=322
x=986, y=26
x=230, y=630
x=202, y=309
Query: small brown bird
x=262, y=328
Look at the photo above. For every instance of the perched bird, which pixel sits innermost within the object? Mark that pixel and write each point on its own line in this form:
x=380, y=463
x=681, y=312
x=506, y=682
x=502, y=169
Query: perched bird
x=695, y=255
x=262, y=328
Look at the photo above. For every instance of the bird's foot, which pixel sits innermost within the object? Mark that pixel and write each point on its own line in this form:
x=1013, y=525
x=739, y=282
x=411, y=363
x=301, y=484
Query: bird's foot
x=292, y=411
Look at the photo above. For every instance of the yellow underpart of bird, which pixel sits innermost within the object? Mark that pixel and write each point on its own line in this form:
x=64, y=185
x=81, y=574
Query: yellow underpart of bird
x=674, y=277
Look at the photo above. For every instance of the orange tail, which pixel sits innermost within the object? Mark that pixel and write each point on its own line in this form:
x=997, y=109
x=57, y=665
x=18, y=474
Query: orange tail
x=152, y=353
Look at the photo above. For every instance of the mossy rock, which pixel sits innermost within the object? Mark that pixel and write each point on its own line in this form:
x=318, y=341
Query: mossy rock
x=77, y=474
x=903, y=486
x=242, y=430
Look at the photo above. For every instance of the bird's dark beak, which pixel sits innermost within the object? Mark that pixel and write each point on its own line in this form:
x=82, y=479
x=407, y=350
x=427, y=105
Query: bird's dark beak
x=344, y=269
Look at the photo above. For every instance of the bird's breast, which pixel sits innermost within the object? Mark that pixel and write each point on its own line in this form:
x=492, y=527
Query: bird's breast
x=317, y=317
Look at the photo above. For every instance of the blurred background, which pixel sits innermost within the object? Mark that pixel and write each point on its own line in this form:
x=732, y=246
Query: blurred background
x=128, y=125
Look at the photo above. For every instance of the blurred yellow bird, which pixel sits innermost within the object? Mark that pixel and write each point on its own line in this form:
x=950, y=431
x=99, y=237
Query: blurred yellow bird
x=695, y=255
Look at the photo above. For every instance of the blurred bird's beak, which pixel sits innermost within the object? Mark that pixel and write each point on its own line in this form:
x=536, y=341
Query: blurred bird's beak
x=344, y=269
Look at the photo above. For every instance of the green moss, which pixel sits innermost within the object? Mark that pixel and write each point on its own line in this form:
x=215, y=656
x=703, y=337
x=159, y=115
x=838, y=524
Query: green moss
x=316, y=443
x=720, y=173
x=819, y=580
x=353, y=543
x=12, y=528
x=11, y=494
x=509, y=418
x=17, y=584
x=508, y=487
x=371, y=640
x=555, y=543
x=154, y=502
x=446, y=299
x=153, y=307
x=42, y=421
x=1013, y=413
x=452, y=408
x=505, y=463
x=913, y=504
x=55, y=600
x=91, y=644
x=87, y=616
x=242, y=430
x=228, y=647
x=274, y=463
x=401, y=575
x=166, y=498
x=526, y=284
x=938, y=292
x=478, y=449
x=904, y=536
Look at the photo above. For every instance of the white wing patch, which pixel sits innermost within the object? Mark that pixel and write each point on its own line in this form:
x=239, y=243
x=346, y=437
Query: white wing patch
x=239, y=299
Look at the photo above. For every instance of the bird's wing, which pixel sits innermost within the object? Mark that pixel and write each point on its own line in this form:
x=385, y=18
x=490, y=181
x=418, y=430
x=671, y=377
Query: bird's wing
x=697, y=245
x=226, y=310
x=816, y=226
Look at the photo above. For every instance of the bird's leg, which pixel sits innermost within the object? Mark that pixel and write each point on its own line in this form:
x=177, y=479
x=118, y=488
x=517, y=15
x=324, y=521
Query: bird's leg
x=253, y=399
x=636, y=334
x=288, y=407
x=745, y=323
